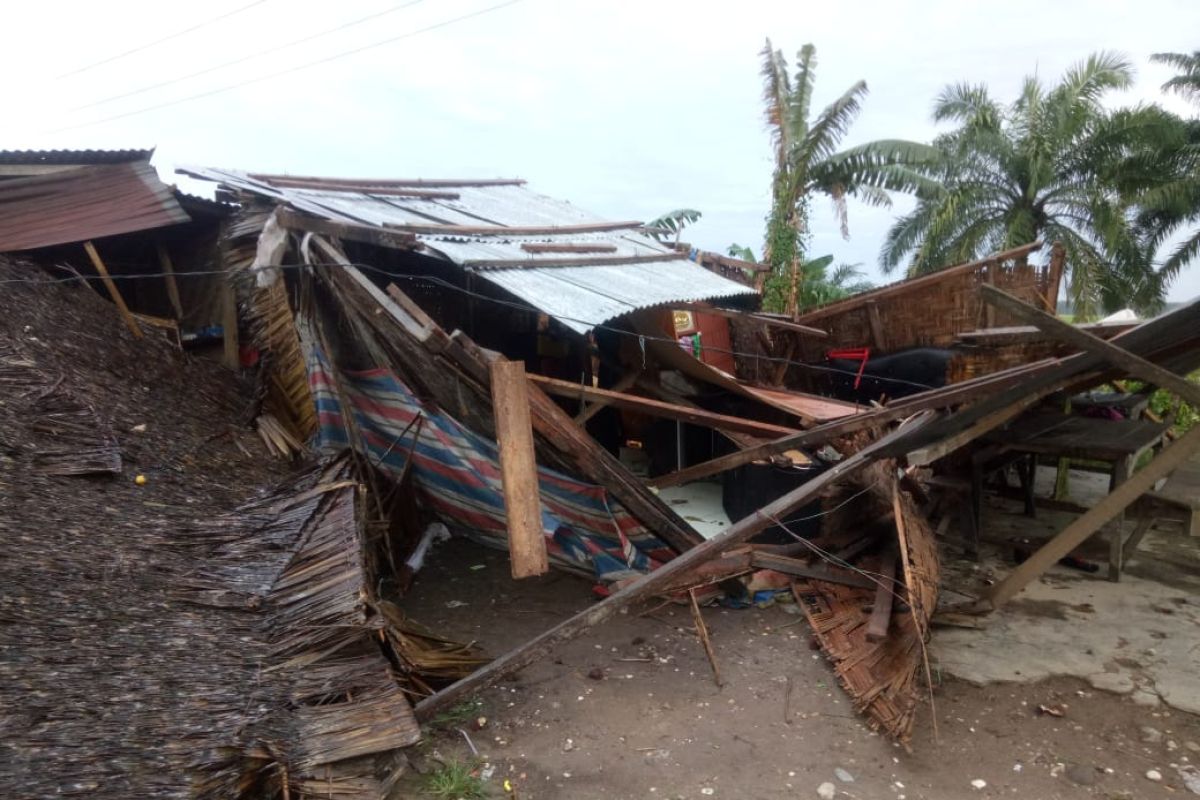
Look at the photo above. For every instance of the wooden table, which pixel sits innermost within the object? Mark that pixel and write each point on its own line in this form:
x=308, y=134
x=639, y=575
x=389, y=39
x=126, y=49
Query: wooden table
x=1117, y=443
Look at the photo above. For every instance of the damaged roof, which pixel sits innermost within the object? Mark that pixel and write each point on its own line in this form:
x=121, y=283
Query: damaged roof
x=74, y=157
x=562, y=260
x=89, y=202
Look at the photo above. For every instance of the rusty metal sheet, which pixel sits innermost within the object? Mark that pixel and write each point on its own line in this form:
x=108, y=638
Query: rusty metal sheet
x=84, y=203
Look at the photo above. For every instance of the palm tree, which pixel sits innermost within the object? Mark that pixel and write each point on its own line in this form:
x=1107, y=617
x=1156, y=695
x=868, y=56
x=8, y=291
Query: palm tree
x=1055, y=165
x=807, y=160
x=1176, y=203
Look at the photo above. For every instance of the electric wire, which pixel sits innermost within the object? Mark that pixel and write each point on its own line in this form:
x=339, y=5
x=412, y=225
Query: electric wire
x=159, y=41
x=290, y=70
x=441, y=282
x=249, y=57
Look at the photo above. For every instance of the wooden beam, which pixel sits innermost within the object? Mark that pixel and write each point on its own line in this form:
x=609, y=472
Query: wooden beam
x=164, y=260
x=1083, y=527
x=885, y=592
x=130, y=322
x=350, y=231
x=646, y=586
x=518, y=470
x=1117, y=356
x=393, y=182
x=936, y=398
x=569, y=247
x=732, y=313
x=802, y=569
x=229, y=325
x=501, y=230
x=596, y=261
x=702, y=633
x=596, y=405
x=363, y=187
x=658, y=408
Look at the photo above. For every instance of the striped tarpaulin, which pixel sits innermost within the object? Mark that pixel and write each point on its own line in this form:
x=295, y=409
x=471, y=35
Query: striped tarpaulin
x=457, y=473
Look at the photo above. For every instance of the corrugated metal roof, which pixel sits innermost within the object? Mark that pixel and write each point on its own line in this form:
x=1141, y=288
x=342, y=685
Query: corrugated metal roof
x=85, y=203
x=80, y=157
x=579, y=296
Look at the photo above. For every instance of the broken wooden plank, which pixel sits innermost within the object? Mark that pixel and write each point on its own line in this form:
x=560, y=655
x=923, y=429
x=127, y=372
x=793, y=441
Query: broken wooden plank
x=130, y=322
x=705, y=641
x=586, y=261
x=568, y=247
x=1117, y=356
x=1082, y=528
x=164, y=260
x=802, y=569
x=881, y=611
x=658, y=408
x=518, y=470
x=350, y=231
x=651, y=584
x=595, y=405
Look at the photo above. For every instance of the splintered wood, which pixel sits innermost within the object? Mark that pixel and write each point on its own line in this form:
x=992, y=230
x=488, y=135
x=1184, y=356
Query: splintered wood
x=882, y=678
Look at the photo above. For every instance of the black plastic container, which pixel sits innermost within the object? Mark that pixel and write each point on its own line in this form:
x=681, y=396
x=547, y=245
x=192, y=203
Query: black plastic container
x=749, y=487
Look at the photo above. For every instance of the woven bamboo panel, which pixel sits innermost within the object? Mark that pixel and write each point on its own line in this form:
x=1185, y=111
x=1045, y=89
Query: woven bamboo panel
x=883, y=679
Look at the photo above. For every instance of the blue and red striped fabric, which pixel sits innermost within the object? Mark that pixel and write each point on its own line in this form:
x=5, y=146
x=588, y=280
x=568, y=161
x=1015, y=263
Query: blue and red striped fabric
x=457, y=473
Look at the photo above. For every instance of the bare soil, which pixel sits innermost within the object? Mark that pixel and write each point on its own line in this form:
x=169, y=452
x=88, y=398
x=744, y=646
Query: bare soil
x=631, y=710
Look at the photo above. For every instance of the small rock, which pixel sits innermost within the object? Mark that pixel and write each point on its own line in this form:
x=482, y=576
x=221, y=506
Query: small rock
x=1145, y=698
x=596, y=674
x=139, y=428
x=1081, y=775
x=1191, y=778
x=1193, y=746
x=568, y=745
x=826, y=791
x=1116, y=682
x=979, y=783
x=708, y=790
x=1151, y=735
x=1153, y=775
x=843, y=776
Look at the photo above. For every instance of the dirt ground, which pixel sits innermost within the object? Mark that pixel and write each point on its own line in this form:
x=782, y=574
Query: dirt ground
x=631, y=711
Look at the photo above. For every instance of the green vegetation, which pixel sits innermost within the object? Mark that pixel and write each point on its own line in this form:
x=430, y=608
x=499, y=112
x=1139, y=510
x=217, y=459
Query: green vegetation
x=1054, y=164
x=455, y=780
x=457, y=715
x=808, y=162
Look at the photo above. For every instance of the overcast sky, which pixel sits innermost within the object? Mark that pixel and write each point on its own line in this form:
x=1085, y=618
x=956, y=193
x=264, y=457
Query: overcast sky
x=628, y=109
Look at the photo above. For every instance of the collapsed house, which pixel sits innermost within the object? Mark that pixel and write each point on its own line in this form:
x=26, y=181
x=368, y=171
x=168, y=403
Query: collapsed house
x=475, y=355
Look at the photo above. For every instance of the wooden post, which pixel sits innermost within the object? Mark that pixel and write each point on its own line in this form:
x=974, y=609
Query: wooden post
x=518, y=469
x=229, y=325
x=1088, y=342
x=130, y=322
x=164, y=259
x=878, y=340
x=596, y=405
x=881, y=612
x=1083, y=527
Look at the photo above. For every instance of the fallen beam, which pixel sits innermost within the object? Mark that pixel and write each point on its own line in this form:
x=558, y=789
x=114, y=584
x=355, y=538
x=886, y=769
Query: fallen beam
x=648, y=585
x=596, y=405
x=518, y=470
x=658, y=408
x=802, y=569
x=885, y=593
x=113, y=292
x=1083, y=527
x=1117, y=356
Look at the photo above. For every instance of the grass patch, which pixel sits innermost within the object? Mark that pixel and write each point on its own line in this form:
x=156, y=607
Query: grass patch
x=455, y=780
x=458, y=715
